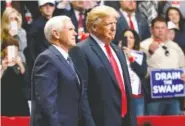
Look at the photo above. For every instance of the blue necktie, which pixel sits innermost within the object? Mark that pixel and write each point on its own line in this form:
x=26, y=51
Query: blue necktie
x=70, y=62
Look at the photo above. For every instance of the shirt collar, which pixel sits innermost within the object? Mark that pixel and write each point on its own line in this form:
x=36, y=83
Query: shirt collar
x=101, y=43
x=77, y=13
x=65, y=54
x=126, y=14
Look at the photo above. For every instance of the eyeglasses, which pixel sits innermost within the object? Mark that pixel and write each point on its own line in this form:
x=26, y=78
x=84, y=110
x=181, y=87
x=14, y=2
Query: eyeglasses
x=167, y=53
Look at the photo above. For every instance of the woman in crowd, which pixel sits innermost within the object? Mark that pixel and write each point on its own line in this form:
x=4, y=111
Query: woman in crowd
x=11, y=24
x=13, y=84
x=174, y=15
x=137, y=67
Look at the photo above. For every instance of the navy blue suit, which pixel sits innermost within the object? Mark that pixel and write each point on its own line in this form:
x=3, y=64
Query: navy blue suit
x=37, y=42
x=56, y=93
x=103, y=91
x=144, y=30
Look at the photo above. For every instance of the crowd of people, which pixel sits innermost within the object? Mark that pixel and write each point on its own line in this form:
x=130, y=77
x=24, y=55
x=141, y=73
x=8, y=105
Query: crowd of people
x=89, y=63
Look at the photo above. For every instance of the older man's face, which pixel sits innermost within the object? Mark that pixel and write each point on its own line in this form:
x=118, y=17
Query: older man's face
x=106, y=29
x=67, y=35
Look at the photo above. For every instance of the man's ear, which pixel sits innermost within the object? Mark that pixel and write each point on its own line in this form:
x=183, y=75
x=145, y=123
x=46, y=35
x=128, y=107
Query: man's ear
x=55, y=34
x=94, y=28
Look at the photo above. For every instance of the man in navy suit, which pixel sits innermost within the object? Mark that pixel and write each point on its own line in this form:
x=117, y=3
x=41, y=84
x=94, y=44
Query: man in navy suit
x=130, y=18
x=78, y=14
x=57, y=89
x=104, y=71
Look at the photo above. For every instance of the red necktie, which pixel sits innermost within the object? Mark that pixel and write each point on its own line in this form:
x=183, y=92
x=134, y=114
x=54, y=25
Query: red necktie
x=131, y=24
x=80, y=20
x=119, y=80
x=80, y=26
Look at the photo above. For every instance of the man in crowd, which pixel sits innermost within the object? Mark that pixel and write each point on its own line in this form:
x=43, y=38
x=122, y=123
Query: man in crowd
x=130, y=18
x=57, y=88
x=162, y=53
x=37, y=42
x=104, y=70
x=78, y=14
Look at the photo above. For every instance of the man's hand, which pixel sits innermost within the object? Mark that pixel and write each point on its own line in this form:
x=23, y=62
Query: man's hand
x=153, y=47
x=3, y=66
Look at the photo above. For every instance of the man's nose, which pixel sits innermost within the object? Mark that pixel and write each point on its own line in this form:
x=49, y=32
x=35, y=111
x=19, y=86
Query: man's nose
x=113, y=27
x=75, y=33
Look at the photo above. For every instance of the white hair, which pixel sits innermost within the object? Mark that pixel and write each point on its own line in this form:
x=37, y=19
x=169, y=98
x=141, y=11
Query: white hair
x=55, y=23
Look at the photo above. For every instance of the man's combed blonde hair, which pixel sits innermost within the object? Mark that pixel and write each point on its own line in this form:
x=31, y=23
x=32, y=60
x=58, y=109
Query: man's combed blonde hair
x=97, y=13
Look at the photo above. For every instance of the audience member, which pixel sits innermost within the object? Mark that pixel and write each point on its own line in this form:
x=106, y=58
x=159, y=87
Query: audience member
x=78, y=14
x=137, y=67
x=12, y=26
x=174, y=15
x=37, y=42
x=130, y=18
x=13, y=83
x=162, y=53
x=172, y=3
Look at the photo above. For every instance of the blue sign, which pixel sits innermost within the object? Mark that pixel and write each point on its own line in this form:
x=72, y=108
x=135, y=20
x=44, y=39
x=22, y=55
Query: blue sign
x=167, y=83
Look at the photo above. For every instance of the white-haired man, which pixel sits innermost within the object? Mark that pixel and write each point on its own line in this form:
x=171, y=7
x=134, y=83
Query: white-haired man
x=104, y=70
x=57, y=88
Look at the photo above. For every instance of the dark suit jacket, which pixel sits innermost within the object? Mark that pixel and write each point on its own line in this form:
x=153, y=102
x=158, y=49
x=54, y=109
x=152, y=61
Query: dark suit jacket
x=141, y=71
x=37, y=42
x=56, y=93
x=100, y=82
x=144, y=31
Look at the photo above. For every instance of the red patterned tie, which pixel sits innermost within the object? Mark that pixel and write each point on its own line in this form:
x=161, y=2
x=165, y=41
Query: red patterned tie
x=131, y=24
x=119, y=80
x=80, y=20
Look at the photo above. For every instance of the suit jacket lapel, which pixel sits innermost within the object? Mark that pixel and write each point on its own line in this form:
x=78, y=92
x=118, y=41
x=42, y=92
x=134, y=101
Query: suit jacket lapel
x=73, y=18
x=123, y=23
x=62, y=59
x=103, y=58
x=139, y=24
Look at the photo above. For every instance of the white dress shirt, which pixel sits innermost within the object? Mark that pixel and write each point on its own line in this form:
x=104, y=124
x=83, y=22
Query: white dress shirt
x=63, y=53
x=77, y=14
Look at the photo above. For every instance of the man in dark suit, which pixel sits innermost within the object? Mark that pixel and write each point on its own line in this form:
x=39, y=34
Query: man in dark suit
x=104, y=71
x=57, y=88
x=130, y=18
x=78, y=14
x=37, y=41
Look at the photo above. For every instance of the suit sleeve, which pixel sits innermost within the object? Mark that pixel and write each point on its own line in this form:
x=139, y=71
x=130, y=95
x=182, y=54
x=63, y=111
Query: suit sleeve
x=80, y=61
x=32, y=35
x=146, y=30
x=46, y=82
x=141, y=70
